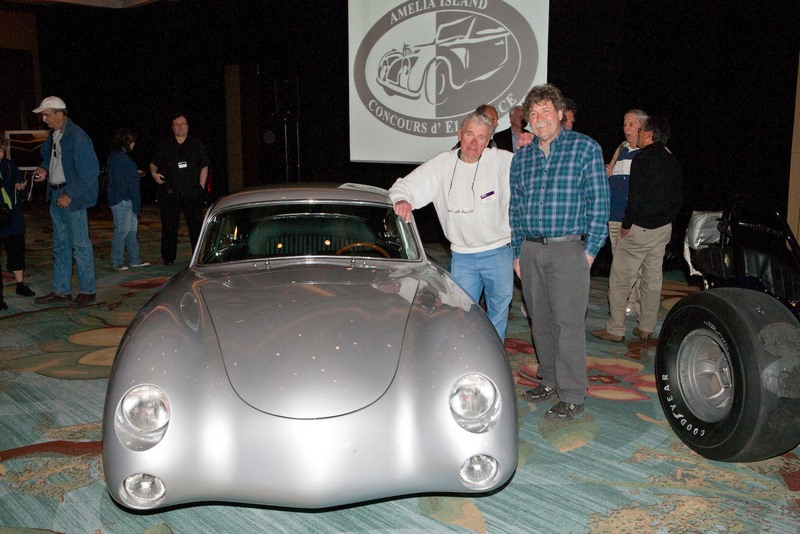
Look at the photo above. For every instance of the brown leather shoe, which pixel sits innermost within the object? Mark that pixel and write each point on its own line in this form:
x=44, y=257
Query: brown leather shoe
x=53, y=298
x=605, y=336
x=83, y=299
x=641, y=334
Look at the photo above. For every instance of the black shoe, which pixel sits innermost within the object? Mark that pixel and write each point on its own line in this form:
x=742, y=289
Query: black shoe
x=83, y=299
x=539, y=393
x=563, y=411
x=24, y=290
x=53, y=298
x=3, y=305
x=169, y=263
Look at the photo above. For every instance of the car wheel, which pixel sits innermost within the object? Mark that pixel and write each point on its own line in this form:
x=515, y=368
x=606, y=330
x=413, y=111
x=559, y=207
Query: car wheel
x=728, y=374
x=437, y=79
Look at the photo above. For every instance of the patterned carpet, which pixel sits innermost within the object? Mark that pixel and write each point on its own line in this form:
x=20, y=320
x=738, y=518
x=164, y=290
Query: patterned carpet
x=617, y=469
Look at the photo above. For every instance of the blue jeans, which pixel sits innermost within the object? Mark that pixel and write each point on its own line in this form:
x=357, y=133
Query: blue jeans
x=126, y=225
x=71, y=238
x=492, y=273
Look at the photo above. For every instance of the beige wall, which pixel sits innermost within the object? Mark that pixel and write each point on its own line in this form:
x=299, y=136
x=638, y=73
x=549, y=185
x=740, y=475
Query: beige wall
x=23, y=35
x=20, y=33
x=233, y=114
x=793, y=213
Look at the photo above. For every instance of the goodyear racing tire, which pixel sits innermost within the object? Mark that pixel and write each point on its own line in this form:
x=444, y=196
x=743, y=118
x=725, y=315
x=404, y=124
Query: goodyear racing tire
x=728, y=374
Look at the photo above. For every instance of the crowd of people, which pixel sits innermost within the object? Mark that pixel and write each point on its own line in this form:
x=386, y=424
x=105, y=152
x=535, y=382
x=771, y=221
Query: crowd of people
x=70, y=170
x=537, y=203
x=541, y=203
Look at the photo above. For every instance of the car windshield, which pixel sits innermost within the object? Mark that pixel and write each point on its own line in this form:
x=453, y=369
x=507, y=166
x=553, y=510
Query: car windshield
x=307, y=229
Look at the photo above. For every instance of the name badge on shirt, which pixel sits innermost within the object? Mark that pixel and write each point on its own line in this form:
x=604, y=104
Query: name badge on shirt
x=182, y=164
x=488, y=197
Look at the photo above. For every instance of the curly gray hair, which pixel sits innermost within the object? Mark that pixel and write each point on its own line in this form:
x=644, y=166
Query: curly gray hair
x=540, y=93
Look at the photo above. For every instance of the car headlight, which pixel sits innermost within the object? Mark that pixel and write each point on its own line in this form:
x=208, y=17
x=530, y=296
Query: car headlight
x=475, y=403
x=143, y=491
x=479, y=471
x=142, y=417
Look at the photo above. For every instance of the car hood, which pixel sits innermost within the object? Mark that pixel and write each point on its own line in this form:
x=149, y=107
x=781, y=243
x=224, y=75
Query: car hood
x=313, y=341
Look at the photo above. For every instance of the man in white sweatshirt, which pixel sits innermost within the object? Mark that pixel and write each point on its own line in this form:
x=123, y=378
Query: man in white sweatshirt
x=469, y=188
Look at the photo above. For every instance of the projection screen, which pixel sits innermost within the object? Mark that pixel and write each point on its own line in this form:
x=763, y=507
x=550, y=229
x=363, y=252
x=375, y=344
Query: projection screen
x=418, y=67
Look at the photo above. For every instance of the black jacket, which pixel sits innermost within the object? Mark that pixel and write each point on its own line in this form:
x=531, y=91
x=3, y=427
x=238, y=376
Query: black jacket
x=655, y=194
x=503, y=140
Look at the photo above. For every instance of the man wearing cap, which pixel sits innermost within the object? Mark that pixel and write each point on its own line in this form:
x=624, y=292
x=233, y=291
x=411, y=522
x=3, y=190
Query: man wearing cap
x=70, y=166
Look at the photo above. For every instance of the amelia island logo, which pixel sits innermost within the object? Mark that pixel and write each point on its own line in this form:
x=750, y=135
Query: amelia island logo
x=426, y=64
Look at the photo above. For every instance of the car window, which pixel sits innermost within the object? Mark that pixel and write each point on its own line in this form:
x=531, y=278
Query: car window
x=455, y=30
x=303, y=229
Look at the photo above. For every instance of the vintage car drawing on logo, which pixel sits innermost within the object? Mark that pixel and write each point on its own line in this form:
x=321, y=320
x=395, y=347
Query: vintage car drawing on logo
x=463, y=51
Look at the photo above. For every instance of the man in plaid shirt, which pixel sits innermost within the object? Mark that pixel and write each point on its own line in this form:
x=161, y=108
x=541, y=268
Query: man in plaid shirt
x=558, y=212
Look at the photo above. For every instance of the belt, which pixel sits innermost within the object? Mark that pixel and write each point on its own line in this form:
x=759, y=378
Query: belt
x=552, y=240
x=55, y=187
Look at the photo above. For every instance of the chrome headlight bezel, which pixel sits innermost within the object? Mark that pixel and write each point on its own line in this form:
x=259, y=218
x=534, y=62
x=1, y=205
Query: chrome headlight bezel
x=143, y=491
x=142, y=417
x=475, y=403
x=479, y=471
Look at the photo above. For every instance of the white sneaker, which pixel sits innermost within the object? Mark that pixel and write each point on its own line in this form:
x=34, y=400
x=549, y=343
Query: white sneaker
x=121, y=267
x=143, y=264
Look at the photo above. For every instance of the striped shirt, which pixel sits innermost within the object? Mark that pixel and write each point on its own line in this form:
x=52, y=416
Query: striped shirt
x=563, y=194
x=619, y=181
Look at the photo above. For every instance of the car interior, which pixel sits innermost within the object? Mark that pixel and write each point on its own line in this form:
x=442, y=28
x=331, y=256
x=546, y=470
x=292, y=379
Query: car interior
x=307, y=230
x=748, y=247
x=302, y=235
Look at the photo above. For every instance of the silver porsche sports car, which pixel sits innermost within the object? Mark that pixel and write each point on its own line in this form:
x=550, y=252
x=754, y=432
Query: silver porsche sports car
x=310, y=356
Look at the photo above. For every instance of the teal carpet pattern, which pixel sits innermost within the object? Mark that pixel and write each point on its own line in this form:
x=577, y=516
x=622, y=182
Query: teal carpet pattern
x=617, y=468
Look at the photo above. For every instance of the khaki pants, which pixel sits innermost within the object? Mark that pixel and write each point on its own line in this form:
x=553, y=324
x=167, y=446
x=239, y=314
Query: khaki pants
x=634, y=298
x=642, y=250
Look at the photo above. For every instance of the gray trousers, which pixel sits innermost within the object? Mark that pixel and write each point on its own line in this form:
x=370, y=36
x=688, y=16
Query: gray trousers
x=555, y=284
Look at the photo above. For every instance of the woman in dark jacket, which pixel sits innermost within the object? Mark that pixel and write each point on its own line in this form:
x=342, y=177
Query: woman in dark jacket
x=12, y=237
x=125, y=200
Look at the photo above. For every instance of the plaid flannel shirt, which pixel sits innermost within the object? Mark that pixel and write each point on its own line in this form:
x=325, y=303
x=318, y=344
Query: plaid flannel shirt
x=563, y=194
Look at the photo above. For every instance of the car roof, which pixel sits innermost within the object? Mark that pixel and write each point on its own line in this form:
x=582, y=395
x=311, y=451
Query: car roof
x=349, y=192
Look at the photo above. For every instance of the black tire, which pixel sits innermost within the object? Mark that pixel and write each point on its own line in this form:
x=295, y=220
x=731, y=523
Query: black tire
x=728, y=374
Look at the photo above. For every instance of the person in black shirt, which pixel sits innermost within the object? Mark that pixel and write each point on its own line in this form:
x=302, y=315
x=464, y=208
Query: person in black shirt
x=655, y=197
x=507, y=139
x=180, y=167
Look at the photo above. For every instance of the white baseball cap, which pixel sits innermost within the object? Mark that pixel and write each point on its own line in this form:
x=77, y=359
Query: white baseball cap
x=51, y=102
